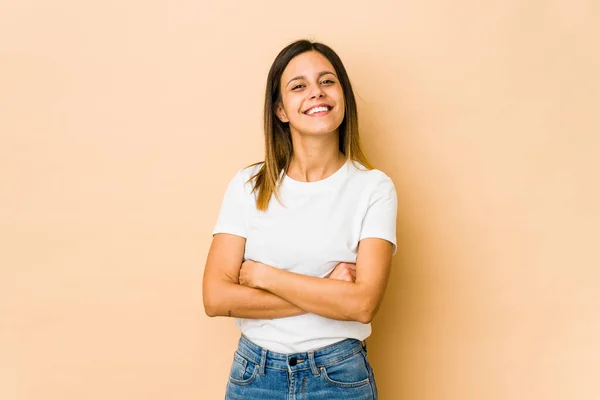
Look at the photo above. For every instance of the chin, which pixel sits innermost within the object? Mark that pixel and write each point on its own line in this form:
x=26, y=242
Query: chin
x=326, y=129
x=320, y=132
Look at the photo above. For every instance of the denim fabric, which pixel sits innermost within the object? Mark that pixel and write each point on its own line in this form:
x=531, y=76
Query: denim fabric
x=338, y=371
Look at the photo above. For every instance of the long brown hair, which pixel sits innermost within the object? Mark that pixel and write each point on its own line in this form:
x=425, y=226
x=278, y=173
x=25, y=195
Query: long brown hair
x=278, y=141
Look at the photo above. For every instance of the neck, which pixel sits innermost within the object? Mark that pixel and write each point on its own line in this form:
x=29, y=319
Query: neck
x=315, y=157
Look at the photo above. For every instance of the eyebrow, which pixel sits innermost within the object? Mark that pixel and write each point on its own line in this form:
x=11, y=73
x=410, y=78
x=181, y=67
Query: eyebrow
x=303, y=77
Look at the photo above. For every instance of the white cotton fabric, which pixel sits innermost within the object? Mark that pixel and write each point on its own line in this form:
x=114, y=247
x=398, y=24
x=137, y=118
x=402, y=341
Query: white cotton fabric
x=316, y=226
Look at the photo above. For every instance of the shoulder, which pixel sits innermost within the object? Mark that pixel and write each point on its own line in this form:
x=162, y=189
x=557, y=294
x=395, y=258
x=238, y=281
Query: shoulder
x=248, y=173
x=244, y=177
x=373, y=179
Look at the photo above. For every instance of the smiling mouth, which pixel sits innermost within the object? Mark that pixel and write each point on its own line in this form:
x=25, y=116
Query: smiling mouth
x=321, y=109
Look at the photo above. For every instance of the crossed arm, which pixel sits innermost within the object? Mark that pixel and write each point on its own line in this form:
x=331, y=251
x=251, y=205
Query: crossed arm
x=250, y=289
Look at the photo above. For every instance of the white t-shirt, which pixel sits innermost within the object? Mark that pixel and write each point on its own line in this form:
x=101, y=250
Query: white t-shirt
x=316, y=226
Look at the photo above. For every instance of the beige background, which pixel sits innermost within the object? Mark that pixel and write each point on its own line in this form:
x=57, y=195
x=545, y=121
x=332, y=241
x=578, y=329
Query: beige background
x=122, y=122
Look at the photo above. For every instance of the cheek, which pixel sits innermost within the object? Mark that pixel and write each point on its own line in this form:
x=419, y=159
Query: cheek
x=292, y=104
x=292, y=108
x=340, y=96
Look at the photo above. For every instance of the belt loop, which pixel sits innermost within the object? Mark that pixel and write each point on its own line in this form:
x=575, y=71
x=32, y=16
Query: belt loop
x=263, y=362
x=313, y=365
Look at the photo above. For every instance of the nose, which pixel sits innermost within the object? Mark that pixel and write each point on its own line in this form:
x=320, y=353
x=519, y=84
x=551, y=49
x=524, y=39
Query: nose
x=316, y=92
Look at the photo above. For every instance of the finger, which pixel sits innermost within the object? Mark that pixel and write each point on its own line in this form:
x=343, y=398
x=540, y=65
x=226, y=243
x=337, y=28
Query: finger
x=351, y=276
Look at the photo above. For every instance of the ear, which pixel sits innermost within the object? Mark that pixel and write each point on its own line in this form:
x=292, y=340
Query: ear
x=280, y=112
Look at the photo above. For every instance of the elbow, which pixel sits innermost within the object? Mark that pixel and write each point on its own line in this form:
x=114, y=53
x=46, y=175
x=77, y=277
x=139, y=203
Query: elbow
x=211, y=308
x=212, y=298
x=210, y=312
x=215, y=300
x=366, y=313
x=365, y=317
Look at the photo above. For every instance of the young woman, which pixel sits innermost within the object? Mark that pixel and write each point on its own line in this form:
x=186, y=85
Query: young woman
x=303, y=243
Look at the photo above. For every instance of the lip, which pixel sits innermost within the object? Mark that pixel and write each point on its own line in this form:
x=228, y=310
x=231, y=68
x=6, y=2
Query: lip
x=329, y=108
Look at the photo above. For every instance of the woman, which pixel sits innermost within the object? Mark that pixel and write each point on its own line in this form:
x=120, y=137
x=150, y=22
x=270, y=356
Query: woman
x=303, y=243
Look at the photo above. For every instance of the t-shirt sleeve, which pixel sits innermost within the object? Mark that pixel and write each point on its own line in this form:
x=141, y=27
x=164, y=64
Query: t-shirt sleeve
x=232, y=216
x=380, y=218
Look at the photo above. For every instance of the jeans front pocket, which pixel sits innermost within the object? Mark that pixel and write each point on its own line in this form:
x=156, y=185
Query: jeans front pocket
x=351, y=372
x=243, y=371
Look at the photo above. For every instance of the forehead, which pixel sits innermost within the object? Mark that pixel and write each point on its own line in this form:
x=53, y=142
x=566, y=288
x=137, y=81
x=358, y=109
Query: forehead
x=307, y=64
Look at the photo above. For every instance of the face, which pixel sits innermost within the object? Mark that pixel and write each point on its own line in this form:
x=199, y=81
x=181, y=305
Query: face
x=312, y=99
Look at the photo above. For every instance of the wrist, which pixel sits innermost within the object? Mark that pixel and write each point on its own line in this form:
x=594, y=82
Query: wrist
x=264, y=276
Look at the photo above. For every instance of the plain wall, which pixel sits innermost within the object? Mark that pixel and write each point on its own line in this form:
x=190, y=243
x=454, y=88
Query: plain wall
x=121, y=124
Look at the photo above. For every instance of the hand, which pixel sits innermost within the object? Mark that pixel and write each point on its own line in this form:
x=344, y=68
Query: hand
x=344, y=272
x=251, y=274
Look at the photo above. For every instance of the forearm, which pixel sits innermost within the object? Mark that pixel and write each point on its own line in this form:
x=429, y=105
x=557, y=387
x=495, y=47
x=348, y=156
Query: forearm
x=340, y=300
x=229, y=299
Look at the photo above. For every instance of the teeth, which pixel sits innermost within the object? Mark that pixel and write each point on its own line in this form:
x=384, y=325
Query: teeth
x=317, y=109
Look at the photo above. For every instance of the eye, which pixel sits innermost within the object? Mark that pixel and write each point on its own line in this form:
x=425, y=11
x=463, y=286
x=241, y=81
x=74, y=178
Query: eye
x=297, y=87
x=327, y=82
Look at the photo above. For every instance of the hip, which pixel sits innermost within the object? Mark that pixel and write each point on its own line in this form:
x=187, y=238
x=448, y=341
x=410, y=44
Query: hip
x=338, y=371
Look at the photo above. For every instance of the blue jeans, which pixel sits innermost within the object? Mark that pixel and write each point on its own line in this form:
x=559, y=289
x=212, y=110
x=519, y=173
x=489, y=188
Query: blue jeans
x=338, y=371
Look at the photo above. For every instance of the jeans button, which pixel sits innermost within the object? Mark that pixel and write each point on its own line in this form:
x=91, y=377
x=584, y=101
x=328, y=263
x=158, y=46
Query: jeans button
x=293, y=361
